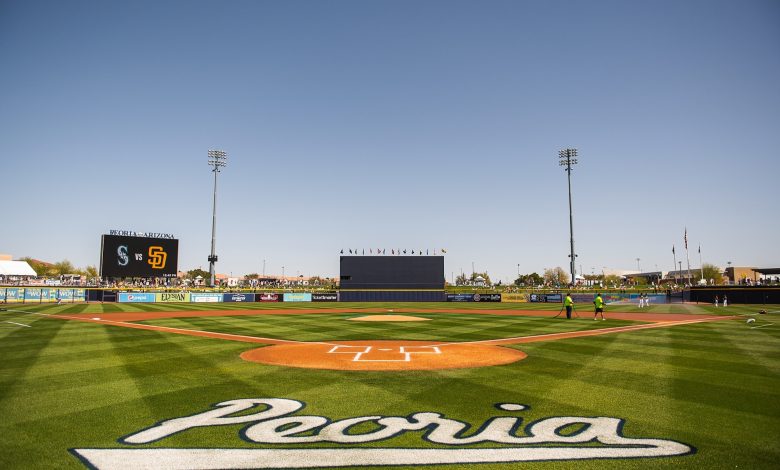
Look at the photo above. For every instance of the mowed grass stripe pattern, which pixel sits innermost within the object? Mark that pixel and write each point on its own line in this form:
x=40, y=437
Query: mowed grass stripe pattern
x=75, y=384
x=714, y=385
x=334, y=327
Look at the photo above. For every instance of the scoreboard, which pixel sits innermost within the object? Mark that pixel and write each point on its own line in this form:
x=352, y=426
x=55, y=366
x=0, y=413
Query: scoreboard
x=128, y=256
x=392, y=272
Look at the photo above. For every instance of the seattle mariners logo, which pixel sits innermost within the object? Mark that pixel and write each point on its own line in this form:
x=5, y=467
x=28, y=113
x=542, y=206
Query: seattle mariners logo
x=157, y=257
x=274, y=421
x=121, y=252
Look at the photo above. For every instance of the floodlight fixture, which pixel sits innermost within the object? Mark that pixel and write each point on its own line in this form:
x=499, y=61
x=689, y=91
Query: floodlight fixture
x=567, y=158
x=217, y=159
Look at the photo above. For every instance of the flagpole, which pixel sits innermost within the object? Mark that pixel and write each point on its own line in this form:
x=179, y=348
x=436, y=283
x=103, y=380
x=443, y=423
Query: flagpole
x=674, y=266
x=687, y=258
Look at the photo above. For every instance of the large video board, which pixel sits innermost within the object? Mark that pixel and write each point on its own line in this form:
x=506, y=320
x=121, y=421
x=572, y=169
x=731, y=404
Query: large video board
x=124, y=256
x=392, y=272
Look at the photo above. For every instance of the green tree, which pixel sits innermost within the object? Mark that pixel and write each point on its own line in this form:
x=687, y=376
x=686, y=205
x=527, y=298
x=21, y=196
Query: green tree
x=461, y=280
x=556, y=276
x=192, y=274
x=63, y=267
x=612, y=280
x=710, y=272
x=533, y=279
x=485, y=276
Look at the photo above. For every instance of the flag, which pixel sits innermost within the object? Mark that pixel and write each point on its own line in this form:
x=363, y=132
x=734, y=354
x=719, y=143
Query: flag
x=412, y=251
x=672, y=249
x=699, y=249
x=392, y=252
x=350, y=251
x=370, y=251
x=404, y=251
x=364, y=251
x=342, y=251
x=443, y=250
x=686, y=238
x=384, y=251
x=426, y=252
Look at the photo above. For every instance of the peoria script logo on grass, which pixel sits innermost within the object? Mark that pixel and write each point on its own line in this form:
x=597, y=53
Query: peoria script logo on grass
x=275, y=422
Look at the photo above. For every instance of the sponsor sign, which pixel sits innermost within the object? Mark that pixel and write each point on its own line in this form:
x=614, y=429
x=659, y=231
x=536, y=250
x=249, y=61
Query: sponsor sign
x=172, y=297
x=514, y=297
x=487, y=297
x=325, y=297
x=14, y=294
x=546, y=297
x=297, y=297
x=135, y=297
x=308, y=440
x=200, y=297
x=238, y=297
x=460, y=297
x=70, y=295
x=268, y=297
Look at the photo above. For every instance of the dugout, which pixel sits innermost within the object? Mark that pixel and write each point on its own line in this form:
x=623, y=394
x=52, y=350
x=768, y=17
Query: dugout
x=736, y=295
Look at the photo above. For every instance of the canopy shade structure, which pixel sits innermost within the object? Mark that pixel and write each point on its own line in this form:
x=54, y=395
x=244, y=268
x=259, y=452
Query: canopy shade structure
x=16, y=268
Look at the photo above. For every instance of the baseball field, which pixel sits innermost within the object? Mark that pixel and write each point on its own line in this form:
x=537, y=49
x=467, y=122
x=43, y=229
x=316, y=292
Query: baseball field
x=485, y=386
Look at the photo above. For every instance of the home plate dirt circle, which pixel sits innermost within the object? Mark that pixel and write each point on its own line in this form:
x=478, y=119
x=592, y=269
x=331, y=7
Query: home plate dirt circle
x=384, y=355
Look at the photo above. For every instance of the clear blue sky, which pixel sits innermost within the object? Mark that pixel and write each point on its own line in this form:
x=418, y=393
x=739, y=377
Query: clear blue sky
x=387, y=124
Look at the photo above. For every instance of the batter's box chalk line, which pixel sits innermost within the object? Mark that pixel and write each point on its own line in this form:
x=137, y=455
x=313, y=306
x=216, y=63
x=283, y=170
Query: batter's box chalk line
x=363, y=353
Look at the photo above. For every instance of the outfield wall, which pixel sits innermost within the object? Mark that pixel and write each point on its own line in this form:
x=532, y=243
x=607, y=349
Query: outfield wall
x=391, y=296
x=41, y=294
x=735, y=295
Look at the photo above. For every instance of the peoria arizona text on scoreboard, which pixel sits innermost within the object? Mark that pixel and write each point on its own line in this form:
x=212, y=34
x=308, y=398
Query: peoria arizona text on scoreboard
x=138, y=256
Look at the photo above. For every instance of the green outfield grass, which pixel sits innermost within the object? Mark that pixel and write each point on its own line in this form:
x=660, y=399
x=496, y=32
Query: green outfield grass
x=73, y=385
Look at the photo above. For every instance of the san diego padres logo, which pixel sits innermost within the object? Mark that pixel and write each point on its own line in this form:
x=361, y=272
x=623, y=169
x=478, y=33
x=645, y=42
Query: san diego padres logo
x=274, y=422
x=157, y=257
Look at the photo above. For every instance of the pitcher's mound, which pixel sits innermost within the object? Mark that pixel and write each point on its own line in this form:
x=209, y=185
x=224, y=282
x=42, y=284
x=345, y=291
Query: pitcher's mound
x=389, y=318
x=384, y=355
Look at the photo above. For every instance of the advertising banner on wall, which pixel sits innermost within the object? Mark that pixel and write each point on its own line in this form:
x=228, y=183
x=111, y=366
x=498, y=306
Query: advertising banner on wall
x=583, y=298
x=201, y=297
x=238, y=297
x=297, y=297
x=514, y=297
x=14, y=294
x=325, y=297
x=72, y=295
x=33, y=293
x=546, y=297
x=172, y=297
x=487, y=297
x=268, y=297
x=460, y=297
x=135, y=297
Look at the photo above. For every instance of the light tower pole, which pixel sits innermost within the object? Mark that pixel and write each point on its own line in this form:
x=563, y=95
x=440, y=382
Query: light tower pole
x=567, y=158
x=217, y=159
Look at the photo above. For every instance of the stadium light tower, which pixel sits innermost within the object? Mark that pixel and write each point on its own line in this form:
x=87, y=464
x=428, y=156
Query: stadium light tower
x=217, y=159
x=567, y=158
